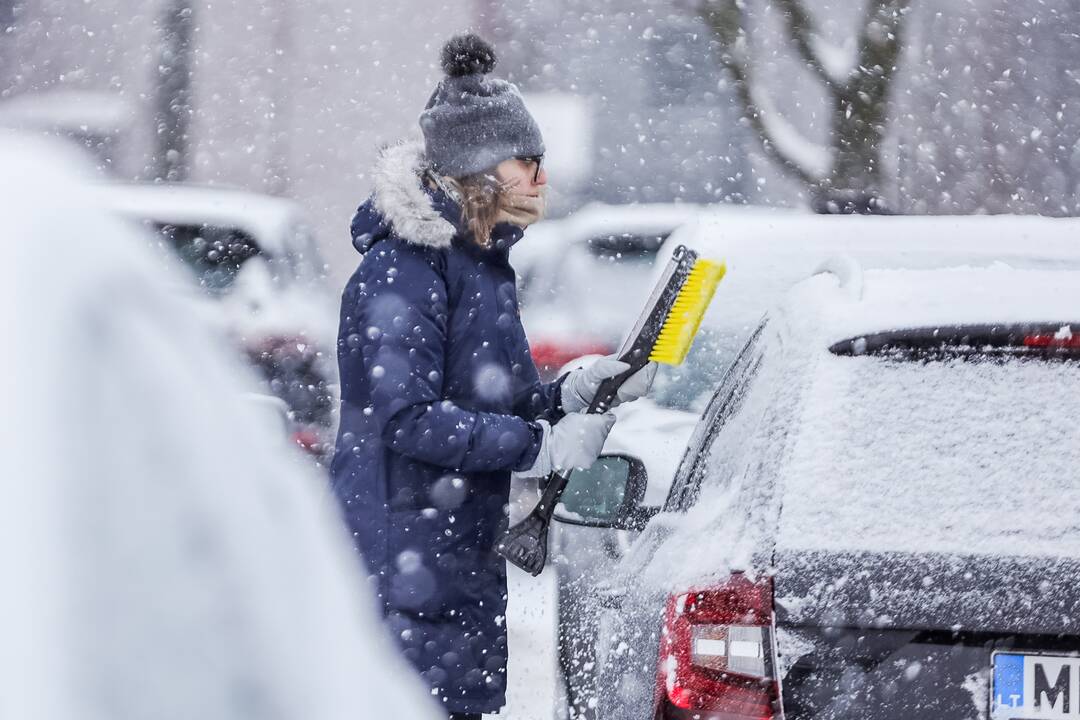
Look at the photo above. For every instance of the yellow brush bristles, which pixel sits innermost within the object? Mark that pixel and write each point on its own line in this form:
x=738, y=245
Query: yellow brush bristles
x=682, y=323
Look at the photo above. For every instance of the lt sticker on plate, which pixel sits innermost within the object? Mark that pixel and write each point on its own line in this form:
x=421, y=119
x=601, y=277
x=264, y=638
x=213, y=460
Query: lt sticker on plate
x=1032, y=687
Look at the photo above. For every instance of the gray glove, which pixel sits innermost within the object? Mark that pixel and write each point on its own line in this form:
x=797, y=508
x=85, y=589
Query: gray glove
x=580, y=386
x=573, y=442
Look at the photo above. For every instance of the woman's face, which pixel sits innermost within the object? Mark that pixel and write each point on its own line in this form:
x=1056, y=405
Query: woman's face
x=520, y=176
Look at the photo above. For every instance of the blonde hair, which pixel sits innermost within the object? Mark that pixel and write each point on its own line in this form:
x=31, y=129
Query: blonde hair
x=483, y=199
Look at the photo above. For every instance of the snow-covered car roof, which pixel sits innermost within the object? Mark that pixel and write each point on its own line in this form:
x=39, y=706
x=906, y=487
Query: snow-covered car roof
x=841, y=306
x=266, y=218
x=768, y=252
x=544, y=240
x=81, y=111
x=792, y=244
x=860, y=452
x=634, y=217
x=944, y=456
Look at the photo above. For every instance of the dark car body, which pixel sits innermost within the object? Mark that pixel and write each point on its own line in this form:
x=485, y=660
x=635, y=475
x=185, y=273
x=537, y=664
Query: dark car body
x=875, y=517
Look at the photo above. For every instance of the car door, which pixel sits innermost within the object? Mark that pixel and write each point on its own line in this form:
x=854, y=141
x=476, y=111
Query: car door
x=629, y=613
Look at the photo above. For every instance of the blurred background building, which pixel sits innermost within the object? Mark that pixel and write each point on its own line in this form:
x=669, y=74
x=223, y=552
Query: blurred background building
x=295, y=98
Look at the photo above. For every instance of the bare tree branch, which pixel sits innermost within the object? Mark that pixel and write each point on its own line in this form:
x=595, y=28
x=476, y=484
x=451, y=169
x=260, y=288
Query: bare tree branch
x=880, y=43
x=802, y=31
x=728, y=23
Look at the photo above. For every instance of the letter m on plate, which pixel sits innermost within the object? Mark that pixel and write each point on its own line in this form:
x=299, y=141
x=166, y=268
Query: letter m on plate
x=1052, y=684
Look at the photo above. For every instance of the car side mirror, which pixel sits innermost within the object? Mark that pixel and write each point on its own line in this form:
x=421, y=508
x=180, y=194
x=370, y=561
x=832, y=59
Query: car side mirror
x=606, y=495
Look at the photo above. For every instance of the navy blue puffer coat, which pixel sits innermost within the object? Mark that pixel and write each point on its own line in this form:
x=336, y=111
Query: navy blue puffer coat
x=438, y=391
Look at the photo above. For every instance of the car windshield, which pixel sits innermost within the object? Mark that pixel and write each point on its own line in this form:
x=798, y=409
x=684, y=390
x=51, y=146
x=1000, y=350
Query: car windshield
x=950, y=440
x=688, y=386
x=627, y=247
x=214, y=254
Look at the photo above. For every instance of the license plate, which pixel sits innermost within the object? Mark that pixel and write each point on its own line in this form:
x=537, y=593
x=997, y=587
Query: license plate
x=1032, y=687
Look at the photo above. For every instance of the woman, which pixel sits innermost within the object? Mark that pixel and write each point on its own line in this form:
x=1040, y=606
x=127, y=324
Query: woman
x=440, y=397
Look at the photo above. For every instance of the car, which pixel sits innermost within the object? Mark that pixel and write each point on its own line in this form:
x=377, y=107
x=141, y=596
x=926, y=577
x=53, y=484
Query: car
x=766, y=252
x=255, y=256
x=166, y=552
x=874, y=517
x=577, y=275
x=648, y=438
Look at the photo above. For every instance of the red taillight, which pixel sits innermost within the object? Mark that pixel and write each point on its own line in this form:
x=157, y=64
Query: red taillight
x=716, y=655
x=550, y=356
x=1059, y=340
x=308, y=440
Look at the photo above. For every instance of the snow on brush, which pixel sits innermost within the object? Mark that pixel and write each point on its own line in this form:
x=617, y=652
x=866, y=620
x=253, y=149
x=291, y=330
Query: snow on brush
x=165, y=553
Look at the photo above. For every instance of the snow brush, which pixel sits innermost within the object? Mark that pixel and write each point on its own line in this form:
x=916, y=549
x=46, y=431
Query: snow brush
x=663, y=333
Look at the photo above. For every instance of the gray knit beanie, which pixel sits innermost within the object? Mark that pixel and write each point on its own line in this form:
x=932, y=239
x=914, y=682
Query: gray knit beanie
x=472, y=123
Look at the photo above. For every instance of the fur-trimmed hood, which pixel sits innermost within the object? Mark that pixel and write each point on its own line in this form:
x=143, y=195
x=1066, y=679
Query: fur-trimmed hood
x=400, y=204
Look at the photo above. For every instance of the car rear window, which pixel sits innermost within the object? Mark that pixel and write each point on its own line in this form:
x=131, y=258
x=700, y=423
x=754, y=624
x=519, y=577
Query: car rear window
x=627, y=246
x=950, y=439
x=215, y=254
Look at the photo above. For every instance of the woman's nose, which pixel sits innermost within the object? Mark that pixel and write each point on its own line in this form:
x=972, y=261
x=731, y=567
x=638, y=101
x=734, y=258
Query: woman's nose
x=541, y=179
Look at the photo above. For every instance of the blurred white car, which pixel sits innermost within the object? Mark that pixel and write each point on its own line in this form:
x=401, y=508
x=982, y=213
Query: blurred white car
x=254, y=255
x=580, y=276
x=165, y=553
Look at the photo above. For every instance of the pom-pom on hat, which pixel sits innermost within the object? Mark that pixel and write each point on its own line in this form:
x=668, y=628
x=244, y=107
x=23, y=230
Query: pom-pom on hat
x=472, y=123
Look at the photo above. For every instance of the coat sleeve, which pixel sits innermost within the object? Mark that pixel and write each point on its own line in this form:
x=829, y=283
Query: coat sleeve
x=404, y=311
x=541, y=401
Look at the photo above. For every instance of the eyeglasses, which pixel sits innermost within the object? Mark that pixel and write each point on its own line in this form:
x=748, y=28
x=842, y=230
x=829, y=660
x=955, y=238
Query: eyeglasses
x=538, y=159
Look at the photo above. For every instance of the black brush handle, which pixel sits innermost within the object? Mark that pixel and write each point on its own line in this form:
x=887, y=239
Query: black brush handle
x=609, y=388
x=601, y=403
x=525, y=544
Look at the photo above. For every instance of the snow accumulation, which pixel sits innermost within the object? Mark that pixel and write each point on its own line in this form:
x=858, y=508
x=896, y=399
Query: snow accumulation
x=165, y=553
x=278, y=292
x=873, y=454
x=814, y=157
x=945, y=456
x=838, y=61
x=270, y=220
x=657, y=436
x=768, y=252
x=821, y=311
x=83, y=111
x=725, y=527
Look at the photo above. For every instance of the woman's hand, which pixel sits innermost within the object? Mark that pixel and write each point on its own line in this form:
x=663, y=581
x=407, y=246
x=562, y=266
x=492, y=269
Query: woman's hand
x=580, y=386
x=573, y=442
